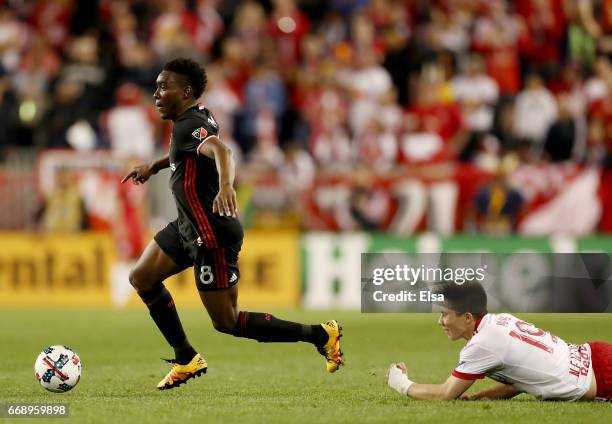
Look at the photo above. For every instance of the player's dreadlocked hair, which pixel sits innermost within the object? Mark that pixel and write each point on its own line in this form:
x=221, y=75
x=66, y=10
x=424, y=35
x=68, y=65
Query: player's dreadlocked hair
x=192, y=71
x=468, y=297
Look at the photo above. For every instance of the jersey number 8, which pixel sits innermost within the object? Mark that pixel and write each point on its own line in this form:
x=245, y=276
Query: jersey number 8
x=206, y=275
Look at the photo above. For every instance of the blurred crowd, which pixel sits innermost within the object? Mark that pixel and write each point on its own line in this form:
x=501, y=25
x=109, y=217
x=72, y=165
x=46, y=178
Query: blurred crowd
x=299, y=87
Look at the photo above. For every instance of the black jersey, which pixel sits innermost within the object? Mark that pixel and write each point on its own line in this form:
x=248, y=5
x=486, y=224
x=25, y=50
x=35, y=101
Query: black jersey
x=194, y=182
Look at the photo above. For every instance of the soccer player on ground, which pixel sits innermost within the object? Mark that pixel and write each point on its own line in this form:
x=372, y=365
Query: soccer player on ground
x=516, y=354
x=207, y=234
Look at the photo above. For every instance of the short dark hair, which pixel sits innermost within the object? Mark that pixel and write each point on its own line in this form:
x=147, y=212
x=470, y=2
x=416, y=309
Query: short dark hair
x=468, y=297
x=192, y=71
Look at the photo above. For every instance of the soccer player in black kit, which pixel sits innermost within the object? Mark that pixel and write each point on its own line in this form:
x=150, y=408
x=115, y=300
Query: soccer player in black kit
x=206, y=235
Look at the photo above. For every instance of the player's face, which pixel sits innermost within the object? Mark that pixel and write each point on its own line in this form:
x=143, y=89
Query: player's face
x=170, y=94
x=456, y=326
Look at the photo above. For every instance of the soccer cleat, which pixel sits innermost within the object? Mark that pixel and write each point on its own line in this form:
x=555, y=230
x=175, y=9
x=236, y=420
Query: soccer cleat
x=331, y=349
x=180, y=374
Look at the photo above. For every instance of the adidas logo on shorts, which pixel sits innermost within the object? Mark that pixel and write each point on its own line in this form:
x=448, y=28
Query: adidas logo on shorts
x=233, y=278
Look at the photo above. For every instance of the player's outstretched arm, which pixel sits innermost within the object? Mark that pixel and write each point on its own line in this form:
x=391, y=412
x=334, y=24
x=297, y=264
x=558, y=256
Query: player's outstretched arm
x=225, y=202
x=140, y=174
x=452, y=388
x=499, y=391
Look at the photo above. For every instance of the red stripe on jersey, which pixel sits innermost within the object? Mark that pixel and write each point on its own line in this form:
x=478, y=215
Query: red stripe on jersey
x=466, y=376
x=197, y=206
x=222, y=271
x=189, y=195
x=187, y=186
x=213, y=239
x=203, y=220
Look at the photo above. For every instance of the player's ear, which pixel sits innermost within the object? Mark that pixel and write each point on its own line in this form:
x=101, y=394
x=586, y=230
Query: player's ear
x=188, y=91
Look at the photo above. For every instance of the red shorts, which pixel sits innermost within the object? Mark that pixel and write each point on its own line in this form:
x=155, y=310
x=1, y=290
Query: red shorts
x=601, y=354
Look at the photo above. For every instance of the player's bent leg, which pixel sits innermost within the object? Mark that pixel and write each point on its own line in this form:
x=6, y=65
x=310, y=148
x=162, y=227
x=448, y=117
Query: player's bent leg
x=147, y=277
x=153, y=267
x=222, y=307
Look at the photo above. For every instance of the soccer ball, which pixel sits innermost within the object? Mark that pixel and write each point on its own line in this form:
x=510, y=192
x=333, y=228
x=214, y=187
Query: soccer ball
x=58, y=368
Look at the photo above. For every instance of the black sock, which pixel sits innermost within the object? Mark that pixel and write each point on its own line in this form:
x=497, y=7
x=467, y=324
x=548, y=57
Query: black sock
x=162, y=310
x=267, y=328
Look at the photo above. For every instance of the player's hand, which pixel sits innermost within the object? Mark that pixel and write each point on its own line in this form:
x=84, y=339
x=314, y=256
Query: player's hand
x=401, y=366
x=225, y=202
x=139, y=175
x=397, y=378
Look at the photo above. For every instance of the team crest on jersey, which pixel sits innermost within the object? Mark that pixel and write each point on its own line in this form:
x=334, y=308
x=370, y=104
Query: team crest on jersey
x=200, y=134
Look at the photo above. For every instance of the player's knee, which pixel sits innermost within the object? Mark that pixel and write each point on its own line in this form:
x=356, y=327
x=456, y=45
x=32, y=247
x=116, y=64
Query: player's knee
x=138, y=280
x=225, y=325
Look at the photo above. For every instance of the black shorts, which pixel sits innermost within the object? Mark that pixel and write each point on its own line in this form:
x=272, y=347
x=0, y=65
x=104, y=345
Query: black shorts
x=214, y=269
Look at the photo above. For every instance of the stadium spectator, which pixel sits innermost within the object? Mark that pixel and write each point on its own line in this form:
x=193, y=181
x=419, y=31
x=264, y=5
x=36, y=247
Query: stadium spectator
x=498, y=36
x=535, y=110
x=571, y=83
x=368, y=85
x=64, y=208
x=132, y=125
x=297, y=172
x=566, y=137
x=287, y=26
x=9, y=112
x=209, y=26
x=502, y=134
x=400, y=59
x=498, y=205
x=477, y=93
x=367, y=205
x=265, y=103
x=174, y=32
x=582, y=31
x=67, y=111
x=38, y=67
x=334, y=28
x=222, y=101
x=135, y=56
x=331, y=78
x=446, y=32
x=249, y=29
x=236, y=66
x=86, y=69
x=545, y=26
x=13, y=38
x=52, y=20
x=434, y=129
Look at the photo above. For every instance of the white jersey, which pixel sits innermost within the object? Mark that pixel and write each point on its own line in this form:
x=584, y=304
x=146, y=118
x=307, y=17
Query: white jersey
x=534, y=361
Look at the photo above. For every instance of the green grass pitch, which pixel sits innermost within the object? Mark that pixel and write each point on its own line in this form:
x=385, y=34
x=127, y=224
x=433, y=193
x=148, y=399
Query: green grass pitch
x=264, y=383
